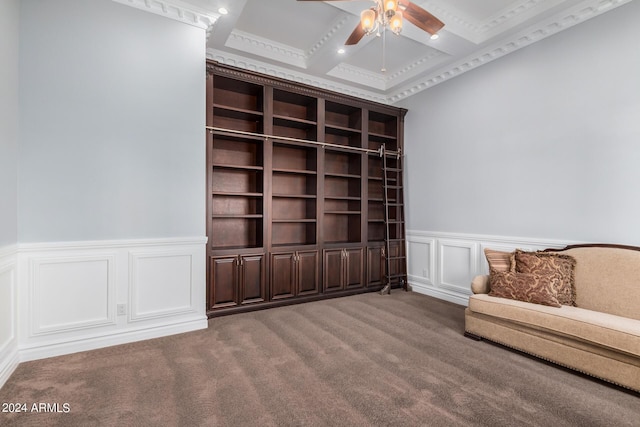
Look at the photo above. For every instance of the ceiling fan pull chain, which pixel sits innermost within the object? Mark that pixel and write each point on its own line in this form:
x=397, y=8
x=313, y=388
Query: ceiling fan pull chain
x=384, y=50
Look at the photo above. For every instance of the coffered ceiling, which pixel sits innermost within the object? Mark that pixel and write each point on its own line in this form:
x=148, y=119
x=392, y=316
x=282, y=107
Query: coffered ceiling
x=299, y=40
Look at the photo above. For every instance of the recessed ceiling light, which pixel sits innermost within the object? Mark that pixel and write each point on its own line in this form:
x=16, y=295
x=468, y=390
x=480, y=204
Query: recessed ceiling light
x=434, y=37
x=223, y=11
x=341, y=51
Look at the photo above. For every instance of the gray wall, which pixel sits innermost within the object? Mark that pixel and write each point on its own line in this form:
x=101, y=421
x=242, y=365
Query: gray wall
x=542, y=143
x=9, y=13
x=112, y=123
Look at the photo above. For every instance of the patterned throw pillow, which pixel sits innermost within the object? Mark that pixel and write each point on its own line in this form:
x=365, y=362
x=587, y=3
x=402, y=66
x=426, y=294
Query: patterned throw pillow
x=560, y=266
x=534, y=288
x=498, y=260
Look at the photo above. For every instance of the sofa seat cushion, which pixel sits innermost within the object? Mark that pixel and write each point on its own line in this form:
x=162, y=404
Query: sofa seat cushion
x=607, y=330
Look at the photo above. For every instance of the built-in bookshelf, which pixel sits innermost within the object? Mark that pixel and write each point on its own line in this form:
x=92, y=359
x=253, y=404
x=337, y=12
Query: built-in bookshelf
x=295, y=184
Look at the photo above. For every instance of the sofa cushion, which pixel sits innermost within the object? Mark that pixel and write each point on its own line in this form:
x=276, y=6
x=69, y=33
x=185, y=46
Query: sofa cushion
x=607, y=279
x=560, y=265
x=533, y=288
x=607, y=330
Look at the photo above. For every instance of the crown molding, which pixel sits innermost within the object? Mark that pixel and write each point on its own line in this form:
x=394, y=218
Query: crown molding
x=338, y=24
x=576, y=15
x=175, y=10
x=260, y=46
x=356, y=74
x=288, y=74
x=480, y=31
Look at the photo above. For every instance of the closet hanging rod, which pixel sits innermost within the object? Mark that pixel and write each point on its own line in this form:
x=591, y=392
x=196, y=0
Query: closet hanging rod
x=215, y=129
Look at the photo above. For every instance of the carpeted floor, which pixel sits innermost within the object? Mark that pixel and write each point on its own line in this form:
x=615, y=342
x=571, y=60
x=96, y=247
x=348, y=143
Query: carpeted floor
x=398, y=360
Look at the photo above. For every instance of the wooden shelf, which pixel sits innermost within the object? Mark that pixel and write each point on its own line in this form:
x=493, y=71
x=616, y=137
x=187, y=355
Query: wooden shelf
x=341, y=130
x=237, y=216
x=343, y=197
x=236, y=194
x=294, y=196
x=294, y=220
x=342, y=175
x=294, y=106
x=343, y=212
x=294, y=121
x=241, y=167
x=343, y=116
x=239, y=113
x=294, y=171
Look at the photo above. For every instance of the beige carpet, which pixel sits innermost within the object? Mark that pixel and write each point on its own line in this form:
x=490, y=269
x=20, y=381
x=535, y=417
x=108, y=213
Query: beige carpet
x=398, y=360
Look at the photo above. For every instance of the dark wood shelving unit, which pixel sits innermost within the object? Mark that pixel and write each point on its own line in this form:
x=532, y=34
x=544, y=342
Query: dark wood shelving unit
x=296, y=206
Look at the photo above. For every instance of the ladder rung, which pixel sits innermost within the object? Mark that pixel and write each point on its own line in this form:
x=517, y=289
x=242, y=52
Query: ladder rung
x=396, y=240
x=395, y=276
x=396, y=257
x=393, y=169
x=394, y=204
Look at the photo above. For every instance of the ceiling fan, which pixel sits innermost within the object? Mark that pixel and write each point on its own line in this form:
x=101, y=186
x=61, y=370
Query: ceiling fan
x=390, y=13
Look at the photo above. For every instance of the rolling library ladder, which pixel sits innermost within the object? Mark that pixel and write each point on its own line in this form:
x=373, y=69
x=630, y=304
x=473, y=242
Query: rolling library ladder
x=394, y=233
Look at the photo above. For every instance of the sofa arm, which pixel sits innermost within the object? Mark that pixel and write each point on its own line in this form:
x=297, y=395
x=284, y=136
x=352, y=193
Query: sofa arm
x=480, y=284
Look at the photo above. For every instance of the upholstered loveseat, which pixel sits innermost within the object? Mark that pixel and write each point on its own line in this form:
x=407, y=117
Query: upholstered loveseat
x=598, y=335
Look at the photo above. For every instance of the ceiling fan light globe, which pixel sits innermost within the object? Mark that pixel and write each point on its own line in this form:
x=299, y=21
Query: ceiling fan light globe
x=395, y=24
x=390, y=5
x=367, y=20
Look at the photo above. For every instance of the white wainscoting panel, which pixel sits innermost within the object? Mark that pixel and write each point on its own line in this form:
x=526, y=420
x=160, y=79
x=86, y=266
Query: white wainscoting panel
x=442, y=265
x=421, y=260
x=69, y=293
x=8, y=314
x=59, y=283
x=458, y=264
x=161, y=284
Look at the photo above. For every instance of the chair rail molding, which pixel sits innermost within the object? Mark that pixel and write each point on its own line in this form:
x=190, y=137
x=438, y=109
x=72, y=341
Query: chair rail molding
x=442, y=264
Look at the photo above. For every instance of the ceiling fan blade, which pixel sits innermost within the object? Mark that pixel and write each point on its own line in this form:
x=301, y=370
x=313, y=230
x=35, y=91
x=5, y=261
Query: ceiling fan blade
x=421, y=18
x=357, y=35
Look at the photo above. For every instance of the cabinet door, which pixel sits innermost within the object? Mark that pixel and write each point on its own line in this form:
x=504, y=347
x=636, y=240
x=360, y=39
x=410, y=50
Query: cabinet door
x=223, y=289
x=283, y=269
x=252, y=283
x=333, y=270
x=308, y=273
x=375, y=265
x=354, y=268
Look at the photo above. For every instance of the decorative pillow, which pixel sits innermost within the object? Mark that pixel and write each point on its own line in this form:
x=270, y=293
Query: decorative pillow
x=498, y=260
x=534, y=288
x=559, y=265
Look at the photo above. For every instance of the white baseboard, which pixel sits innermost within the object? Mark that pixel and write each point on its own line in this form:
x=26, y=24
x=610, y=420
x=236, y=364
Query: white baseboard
x=442, y=265
x=86, y=343
x=8, y=364
x=439, y=293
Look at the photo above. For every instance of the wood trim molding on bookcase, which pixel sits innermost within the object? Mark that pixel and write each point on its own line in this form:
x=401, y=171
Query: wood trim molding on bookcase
x=276, y=82
x=295, y=202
